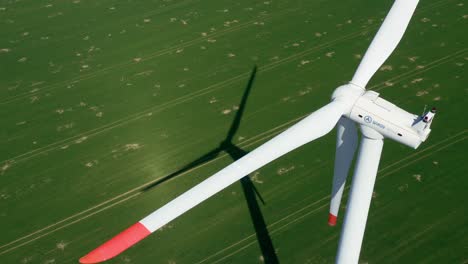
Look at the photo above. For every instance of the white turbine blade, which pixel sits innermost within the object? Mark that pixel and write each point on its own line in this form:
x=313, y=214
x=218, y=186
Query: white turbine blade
x=385, y=41
x=359, y=201
x=346, y=143
x=314, y=126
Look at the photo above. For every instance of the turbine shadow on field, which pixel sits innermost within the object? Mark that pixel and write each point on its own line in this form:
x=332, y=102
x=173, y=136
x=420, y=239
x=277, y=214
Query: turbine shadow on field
x=250, y=191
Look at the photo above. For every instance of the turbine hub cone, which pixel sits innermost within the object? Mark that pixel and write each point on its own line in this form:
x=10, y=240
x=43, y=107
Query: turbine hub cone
x=348, y=93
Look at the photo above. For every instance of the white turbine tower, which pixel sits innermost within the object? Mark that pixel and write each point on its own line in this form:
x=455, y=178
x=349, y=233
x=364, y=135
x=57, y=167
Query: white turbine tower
x=351, y=103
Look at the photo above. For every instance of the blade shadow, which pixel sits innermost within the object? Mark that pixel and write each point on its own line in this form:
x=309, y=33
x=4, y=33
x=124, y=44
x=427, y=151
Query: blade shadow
x=192, y=165
x=250, y=191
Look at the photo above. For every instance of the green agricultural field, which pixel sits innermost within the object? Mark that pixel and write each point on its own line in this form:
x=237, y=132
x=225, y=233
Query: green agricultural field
x=108, y=109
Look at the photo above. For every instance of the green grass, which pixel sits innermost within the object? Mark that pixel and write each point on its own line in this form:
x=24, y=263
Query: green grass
x=98, y=98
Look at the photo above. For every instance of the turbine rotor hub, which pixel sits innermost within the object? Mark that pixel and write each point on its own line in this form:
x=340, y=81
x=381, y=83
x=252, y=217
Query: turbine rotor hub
x=348, y=93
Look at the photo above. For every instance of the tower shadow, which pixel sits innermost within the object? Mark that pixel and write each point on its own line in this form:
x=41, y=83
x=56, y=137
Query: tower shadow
x=250, y=191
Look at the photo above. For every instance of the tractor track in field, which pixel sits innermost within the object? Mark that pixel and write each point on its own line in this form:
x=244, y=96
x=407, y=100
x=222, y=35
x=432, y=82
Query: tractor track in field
x=392, y=255
x=147, y=57
x=100, y=27
x=158, y=108
x=427, y=67
x=181, y=46
x=254, y=140
x=175, y=48
x=174, y=102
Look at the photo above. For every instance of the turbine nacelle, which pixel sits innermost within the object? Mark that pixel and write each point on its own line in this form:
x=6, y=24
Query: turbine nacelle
x=368, y=109
x=391, y=121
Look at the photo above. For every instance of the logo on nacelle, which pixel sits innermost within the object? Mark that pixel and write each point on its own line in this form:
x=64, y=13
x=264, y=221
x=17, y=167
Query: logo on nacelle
x=368, y=119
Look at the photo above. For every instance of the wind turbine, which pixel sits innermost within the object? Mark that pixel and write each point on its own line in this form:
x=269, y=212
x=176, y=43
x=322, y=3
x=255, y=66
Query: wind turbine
x=351, y=103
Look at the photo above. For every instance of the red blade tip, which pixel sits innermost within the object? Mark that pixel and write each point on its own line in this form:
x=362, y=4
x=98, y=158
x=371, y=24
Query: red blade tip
x=117, y=245
x=331, y=219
